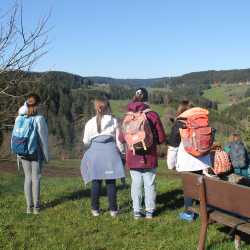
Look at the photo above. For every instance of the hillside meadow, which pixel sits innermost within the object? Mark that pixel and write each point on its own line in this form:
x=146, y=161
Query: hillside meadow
x=226, y=94
x=65, y=221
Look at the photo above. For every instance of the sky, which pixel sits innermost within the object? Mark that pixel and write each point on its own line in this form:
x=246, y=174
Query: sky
x=141, y=38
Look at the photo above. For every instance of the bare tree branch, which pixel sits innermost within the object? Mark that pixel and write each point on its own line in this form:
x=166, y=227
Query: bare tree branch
x=19, y=48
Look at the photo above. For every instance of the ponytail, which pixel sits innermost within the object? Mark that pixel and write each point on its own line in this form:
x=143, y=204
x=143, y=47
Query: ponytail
x=102, y=107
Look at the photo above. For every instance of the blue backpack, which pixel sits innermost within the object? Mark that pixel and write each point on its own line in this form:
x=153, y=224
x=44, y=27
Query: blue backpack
x=24, y=140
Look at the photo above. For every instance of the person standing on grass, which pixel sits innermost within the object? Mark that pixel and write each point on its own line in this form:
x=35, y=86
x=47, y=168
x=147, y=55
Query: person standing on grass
x=181, y=160
x=102, y=160
x=32, y=163
x=142, y=165
x=174, y=138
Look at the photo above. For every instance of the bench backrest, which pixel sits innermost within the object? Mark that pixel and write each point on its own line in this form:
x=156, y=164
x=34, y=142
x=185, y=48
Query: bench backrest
x=221, y=194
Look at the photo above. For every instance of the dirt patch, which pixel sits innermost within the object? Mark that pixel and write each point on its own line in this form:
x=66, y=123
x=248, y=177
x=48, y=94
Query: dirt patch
x=51, y=171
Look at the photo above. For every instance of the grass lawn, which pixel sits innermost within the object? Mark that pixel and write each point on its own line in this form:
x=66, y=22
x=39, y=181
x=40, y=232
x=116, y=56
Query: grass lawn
x=65, y=221
x=225, y=94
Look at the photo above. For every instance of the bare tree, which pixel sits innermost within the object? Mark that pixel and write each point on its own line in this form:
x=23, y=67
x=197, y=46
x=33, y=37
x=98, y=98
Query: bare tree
x=19, y=48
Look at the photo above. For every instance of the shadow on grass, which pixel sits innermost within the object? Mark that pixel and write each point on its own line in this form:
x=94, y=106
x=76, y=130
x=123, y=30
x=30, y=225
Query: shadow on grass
x=171, y=200
x=77, y=195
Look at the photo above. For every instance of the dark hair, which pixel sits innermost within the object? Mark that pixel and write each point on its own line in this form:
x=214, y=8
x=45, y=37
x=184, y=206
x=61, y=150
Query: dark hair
x=141, y=95
x=102, y=107
x=184, y=105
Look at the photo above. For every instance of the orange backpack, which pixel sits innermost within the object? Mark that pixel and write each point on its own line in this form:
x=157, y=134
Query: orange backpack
x=197, y=136
x=137, y=131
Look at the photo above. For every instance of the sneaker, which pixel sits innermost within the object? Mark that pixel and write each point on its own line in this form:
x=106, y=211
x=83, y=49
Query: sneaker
x=149, y=215
x=113, y=213
x=36, y=210
x=137, y=215
x=95, y=213
x=28, y=210
x=188, y=216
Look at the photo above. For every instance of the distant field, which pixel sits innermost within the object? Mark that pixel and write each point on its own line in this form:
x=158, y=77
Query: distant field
x=65, y=221
x=119, y=107
x=226, y=94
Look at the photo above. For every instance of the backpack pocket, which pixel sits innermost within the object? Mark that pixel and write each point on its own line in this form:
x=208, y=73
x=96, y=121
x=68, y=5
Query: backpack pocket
x=203, y=139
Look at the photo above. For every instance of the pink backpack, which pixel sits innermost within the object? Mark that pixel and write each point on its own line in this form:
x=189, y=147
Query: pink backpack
x=221, y=162
x=137, y=132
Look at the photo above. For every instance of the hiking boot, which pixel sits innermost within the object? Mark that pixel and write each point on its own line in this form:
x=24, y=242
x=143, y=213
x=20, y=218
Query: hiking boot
x=95, y=213
x=137, y=215
x=113, y=213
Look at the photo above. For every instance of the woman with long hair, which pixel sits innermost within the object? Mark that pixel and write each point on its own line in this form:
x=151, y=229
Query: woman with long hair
x=32, y=163
x=102, y=160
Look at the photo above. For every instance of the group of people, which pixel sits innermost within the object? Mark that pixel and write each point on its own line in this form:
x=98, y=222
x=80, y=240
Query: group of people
x=107, y=151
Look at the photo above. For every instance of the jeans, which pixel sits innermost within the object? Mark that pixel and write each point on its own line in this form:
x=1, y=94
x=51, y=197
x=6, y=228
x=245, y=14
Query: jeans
x=144, y=177
x=111, y=192
x=32, y=174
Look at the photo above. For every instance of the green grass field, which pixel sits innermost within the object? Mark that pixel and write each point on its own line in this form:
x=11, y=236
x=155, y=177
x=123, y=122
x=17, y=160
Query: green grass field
x=226, y=94
x=65, y=221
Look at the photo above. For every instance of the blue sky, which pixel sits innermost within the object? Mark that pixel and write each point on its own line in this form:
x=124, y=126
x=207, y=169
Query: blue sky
x=142, y=39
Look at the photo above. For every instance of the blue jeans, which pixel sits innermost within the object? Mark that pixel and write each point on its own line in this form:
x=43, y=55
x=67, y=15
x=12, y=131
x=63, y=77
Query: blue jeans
x=144, y=177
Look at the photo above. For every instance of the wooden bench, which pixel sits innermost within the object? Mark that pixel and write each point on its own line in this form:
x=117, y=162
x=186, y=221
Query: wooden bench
x=221, y=202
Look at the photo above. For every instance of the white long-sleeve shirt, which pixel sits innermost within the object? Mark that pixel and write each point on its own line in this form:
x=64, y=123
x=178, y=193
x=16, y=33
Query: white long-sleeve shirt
x=109, y=126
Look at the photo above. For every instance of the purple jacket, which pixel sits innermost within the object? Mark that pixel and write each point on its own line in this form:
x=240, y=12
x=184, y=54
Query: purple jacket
x=150, y=160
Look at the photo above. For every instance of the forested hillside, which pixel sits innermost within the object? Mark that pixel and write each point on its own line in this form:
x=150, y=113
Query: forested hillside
x=67, y=103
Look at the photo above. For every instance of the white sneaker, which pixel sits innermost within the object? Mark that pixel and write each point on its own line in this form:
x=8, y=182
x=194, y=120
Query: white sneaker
x=95, y=213
x=28, y=210
x=36, y=211
x=113, y=213
x=149, y=215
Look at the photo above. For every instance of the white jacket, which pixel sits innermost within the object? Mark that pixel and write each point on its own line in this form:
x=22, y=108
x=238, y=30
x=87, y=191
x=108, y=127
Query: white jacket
x=109, y=126
x=187, y=162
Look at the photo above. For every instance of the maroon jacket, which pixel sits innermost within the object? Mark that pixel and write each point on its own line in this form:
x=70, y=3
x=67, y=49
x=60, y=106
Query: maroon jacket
x=148, y=160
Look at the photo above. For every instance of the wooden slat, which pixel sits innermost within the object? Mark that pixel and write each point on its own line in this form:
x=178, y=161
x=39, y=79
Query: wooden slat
x=227, y=196
x=221, y=194
x=190, y=186
x=230, y=220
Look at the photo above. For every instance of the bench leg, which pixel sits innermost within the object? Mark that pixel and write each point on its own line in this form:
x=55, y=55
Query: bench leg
x=203, y=235
x=203, y=214
x=237, y=240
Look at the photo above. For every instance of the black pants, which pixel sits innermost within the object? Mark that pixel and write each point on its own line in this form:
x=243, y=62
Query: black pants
x=111, y=192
